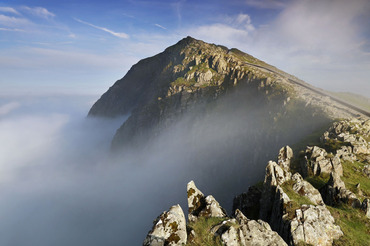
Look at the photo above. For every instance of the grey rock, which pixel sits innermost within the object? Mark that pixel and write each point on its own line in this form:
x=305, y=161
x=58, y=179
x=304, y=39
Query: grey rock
x=304, y=188
x=200, y=206
x=314, y=225
x=284, y=158
x=168, y=229
x=249, y=232
x=335, y=192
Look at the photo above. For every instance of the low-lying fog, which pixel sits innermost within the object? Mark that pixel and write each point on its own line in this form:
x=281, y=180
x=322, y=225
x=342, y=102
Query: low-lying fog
x=59, y=184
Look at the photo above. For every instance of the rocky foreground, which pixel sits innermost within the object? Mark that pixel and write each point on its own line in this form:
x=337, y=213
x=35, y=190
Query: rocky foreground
x=319, y=196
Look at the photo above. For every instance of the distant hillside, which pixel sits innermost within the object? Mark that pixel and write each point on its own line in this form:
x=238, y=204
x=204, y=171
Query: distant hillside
x=354, y=99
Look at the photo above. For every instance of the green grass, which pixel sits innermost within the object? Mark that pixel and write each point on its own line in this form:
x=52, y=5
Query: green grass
x=318, y=181
x=202, y=228
x=354, y=224
x=296, y=200
x=352, y=175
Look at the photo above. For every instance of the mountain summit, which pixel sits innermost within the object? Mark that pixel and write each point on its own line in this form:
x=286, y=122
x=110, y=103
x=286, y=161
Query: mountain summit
x=158, y=90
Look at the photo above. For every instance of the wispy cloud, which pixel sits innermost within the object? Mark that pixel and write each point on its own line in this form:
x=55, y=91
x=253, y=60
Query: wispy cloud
x=11, y=29
x=9, y=10
x=117, y=34
x=7, y=108
x=39, y=12
x=157, y=25
x=11, y=21
x=267, y=4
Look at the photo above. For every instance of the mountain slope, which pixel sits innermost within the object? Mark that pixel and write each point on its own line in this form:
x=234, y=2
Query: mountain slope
x=189, y=76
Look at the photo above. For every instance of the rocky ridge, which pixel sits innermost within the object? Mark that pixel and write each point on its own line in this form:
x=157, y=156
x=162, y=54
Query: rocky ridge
x=290, y=210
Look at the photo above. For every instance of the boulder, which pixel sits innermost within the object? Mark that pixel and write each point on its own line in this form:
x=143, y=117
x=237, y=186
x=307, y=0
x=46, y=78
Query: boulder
x=243, y=231
x=314, y=225
x=168, y=229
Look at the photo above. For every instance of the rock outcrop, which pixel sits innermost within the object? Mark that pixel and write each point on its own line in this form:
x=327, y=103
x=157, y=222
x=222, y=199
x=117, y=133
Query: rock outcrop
x=243, y=231
x=168, y=229
x=309, y=223
x=335, y=192
x=200, y=206
x=317, y=161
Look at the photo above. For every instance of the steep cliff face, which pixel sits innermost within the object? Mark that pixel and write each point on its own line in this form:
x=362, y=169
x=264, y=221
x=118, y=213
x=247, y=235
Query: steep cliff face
x=191, y=76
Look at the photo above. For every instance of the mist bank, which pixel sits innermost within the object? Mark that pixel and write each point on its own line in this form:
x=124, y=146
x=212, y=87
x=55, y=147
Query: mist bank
x=61, y=184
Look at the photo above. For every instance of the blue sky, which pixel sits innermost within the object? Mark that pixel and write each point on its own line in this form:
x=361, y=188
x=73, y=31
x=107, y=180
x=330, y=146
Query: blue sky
x=83, y=47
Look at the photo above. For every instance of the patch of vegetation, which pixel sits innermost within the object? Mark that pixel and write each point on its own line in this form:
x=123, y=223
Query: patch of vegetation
x=296, y=200
x=182, y=81
x=332, y=145
x=318, y=181
x=202, y=228
x=355, y=226
x=352, y=175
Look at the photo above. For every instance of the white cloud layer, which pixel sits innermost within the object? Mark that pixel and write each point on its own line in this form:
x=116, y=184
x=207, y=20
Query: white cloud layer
x=117, y=34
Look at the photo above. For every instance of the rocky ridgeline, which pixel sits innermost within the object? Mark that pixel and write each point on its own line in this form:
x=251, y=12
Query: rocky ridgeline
x=286, y=209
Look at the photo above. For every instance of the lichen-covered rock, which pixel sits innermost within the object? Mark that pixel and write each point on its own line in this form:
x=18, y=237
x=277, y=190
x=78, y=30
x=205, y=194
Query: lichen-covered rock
x=168, y=229
x=314, y=225
x=304, y=188
x=335, y=192
x=200, y=206
x=242, y=231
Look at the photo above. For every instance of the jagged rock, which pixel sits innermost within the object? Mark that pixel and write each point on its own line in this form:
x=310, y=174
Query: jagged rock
x=314, y=225
x=304, y=188
x=212, y=208
x=318, y=161
x=274, y=176
x=284, y=158
x=248, y=203
x=202, y=206
x=335, y=192
x=242, y=231
x=168, y=229
x=365, y=206
x=345, y=153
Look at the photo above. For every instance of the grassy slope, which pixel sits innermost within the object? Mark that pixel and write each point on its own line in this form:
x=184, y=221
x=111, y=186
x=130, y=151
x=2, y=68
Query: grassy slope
x=354, y=99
